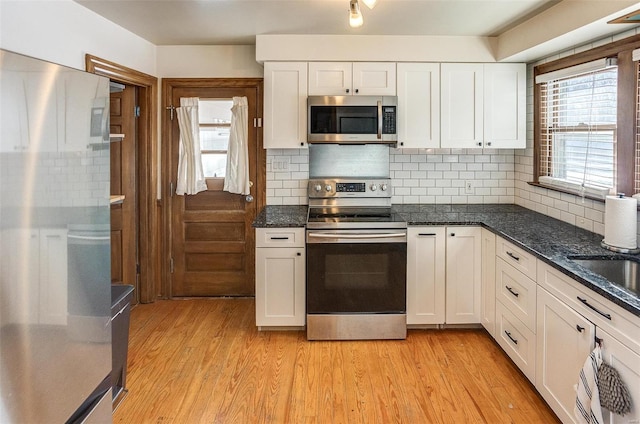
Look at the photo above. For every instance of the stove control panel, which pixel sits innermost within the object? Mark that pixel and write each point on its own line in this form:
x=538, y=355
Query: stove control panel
x=342, y=188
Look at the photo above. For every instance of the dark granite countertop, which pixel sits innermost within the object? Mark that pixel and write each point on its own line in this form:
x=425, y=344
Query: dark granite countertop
x=549, y=239
x=281, y=216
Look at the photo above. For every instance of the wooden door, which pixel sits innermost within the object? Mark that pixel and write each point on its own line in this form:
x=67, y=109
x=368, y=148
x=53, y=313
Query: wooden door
x=212, y=241
x=124, y=216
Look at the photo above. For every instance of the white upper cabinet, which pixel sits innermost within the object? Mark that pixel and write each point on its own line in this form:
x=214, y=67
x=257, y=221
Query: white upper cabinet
x=347, y=78
x=462, y=105
x=418, y=87
x=505, y=105
x=483, y=105
x=285, y=105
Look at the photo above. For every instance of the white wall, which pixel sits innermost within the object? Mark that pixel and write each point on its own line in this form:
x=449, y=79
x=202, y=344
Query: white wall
x=584, y=213
x=62, y=31
x=208, y=62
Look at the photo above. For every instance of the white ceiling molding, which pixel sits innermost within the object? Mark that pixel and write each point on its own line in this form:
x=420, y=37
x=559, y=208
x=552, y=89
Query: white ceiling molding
x=565, y=25
x=374, y=48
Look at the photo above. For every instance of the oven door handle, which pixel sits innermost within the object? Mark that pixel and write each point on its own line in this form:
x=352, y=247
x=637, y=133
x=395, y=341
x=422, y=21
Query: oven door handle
x=357, y=236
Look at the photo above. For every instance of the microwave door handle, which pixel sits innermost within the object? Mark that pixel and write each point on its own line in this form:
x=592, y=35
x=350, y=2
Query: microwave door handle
x=379, y=119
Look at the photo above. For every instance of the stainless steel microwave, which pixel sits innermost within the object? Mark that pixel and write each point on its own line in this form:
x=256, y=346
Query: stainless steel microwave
x=352, y=119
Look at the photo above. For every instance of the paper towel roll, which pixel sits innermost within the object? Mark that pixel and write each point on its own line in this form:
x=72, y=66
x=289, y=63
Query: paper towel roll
x=620, y=222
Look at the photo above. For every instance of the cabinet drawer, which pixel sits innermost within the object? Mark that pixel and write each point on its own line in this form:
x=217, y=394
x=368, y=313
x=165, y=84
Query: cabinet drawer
x=516, y=292
x=279, y=237
x=621, y=324
x=516, y=340
x=522, y=261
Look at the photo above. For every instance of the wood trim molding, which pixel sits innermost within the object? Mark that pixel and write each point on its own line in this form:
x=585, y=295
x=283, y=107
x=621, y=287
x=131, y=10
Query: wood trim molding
x=611, y=49
x=149, y=249
x=627, y=92
x=168, y=85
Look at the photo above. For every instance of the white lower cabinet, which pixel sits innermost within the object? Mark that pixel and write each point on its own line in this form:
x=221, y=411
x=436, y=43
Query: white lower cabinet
x=280, y=277
x=488, y=291
x=463, y=276
x=565, y=338
x=439, y=289
x=569, y=318
x=425, y=275
x=518, y=341
x=627, y=363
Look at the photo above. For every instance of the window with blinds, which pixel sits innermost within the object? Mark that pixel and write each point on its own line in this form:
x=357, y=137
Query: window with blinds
x=578, y=132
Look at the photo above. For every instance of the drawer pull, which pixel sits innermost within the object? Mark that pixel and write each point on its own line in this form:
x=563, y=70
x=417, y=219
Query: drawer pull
x=509, y=335
x=517, y=258
x=298, y=254
x=426, y=234
x=516, y=294
x=580, y=329
x=279, y=238
x=607, y=316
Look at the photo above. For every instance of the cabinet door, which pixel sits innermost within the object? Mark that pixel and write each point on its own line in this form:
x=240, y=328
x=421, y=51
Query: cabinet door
x=504, y=105
x=418, y=89
x=53, y=276
x=374, y=78
x=627, y=363
x=425, y=275
x=463, y=275
x=488, y=292
x=564, y=341
x=285, y=105
x=330, y=78
x=280, y=281
x=461, y=105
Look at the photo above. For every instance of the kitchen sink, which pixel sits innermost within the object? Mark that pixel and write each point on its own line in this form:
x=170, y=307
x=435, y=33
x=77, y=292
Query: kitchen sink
x=622, y=272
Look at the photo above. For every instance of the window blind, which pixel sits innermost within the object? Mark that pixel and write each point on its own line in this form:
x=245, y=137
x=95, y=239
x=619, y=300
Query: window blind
x=578, y=132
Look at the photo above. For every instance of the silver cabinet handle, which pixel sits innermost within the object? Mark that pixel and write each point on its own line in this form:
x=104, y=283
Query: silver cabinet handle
x=249, y=198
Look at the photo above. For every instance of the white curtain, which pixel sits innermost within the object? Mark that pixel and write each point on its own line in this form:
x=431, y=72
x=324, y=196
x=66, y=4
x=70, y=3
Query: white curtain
x=190, y=175
x=237, y=176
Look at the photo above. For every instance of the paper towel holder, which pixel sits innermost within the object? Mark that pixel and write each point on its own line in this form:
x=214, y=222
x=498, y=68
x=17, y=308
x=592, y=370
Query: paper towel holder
x=620, y=249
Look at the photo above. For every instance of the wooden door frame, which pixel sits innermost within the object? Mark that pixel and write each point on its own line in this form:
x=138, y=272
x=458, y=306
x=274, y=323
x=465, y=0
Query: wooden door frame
x=168, y=85
x=147, y=169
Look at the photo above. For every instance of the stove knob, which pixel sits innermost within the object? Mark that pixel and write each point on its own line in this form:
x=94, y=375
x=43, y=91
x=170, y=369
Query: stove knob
x=383, y=187
x=373, y=187
x=328, y=188
x=318, y=187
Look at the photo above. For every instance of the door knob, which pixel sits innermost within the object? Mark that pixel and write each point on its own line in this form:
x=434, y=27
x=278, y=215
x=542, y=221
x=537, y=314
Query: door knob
x=249, y=198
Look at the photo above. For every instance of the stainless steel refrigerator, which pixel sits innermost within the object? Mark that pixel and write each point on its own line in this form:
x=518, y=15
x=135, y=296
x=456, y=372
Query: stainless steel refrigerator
x=55, y=291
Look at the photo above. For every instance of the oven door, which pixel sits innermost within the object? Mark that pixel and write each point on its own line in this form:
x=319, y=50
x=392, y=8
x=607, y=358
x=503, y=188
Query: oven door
x=356, y=271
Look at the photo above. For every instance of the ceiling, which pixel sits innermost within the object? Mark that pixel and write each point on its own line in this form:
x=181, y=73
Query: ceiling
x=220, y=22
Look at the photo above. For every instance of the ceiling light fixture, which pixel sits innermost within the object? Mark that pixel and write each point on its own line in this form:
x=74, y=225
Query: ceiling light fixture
x=370, y=3
x=355, y=17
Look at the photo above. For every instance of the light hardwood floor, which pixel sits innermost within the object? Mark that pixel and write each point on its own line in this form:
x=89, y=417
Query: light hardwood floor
x=203, y=361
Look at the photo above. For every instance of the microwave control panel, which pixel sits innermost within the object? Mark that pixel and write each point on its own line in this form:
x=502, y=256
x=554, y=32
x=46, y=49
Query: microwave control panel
x=388, y=119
